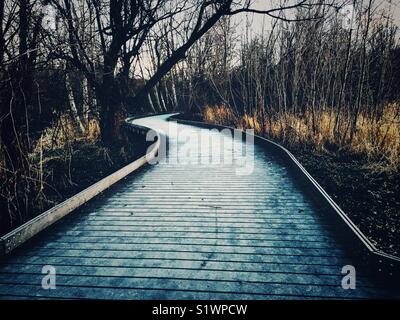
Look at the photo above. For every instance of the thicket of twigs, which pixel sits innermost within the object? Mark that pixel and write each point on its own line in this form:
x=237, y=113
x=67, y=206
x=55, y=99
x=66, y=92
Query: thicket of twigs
x=329, y=82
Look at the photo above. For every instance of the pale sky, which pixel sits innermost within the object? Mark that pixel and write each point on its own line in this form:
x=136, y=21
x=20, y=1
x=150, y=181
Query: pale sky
x=393, y=6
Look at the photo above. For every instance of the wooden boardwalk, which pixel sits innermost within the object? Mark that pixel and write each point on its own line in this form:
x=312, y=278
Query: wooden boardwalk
x=189, y=231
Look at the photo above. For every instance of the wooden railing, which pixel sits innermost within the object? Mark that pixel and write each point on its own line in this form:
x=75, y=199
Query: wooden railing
x=386, y=264
x=26, y=231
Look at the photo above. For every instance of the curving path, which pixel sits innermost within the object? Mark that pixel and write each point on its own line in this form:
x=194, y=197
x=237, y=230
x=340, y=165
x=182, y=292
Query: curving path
x=174, y=231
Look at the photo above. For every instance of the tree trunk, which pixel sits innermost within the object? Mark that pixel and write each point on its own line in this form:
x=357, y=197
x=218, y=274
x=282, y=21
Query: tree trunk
x=86, y=99
x=71, y=100
x=110, y=104
x=14, y=126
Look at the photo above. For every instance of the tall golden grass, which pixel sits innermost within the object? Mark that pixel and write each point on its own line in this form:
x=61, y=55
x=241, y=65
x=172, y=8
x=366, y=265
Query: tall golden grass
x=377, y=139
x=65, y=131
x=59, y=135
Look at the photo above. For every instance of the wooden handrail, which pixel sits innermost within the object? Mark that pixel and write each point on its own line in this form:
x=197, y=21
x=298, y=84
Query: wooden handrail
x=16, y=237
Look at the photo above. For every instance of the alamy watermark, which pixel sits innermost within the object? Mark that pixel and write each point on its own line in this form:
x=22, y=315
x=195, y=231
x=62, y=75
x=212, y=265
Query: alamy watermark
x=49, y=280
x=349, y=279
x=206, y=147
x=347, y=14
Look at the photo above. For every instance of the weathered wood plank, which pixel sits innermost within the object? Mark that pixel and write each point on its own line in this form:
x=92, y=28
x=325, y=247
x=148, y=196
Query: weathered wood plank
x=182, y=232
x=26, y=231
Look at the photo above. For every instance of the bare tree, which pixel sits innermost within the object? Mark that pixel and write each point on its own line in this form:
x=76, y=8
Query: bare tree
x=123, y=27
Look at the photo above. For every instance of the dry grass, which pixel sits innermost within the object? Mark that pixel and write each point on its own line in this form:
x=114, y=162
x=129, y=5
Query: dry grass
x=379, y=140
x=65, y=132
x=56, y=144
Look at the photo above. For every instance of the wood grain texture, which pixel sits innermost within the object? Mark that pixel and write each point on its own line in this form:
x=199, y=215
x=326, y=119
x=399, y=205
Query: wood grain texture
x=175, y=231
x=29, y=229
